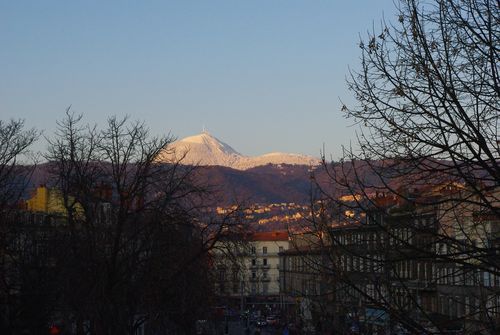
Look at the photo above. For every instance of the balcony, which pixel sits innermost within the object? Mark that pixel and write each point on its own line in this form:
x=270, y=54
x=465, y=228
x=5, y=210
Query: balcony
x=417, y=284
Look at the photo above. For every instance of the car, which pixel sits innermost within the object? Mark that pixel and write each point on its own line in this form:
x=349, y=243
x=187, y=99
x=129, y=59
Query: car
x=261, y=322
x=272, y=320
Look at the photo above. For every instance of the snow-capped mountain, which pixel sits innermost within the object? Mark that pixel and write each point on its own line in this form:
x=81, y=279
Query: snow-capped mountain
x=205, y=149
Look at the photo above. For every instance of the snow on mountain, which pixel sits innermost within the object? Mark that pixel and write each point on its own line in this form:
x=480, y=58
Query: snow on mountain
x=205, y=149
x=202, y=149
x=276, y=158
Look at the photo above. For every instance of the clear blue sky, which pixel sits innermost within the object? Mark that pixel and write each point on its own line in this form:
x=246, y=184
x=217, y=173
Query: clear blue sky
x=261, y=75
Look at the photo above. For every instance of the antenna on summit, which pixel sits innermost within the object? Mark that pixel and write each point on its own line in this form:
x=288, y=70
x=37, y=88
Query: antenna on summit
x=204, y=130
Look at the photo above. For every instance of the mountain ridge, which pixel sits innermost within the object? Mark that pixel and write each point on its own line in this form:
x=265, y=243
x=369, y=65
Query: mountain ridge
x=206, y=150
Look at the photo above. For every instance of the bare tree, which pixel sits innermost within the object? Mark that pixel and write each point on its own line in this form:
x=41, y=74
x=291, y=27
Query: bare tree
x=138, y=231
x=15, y=141
x=428, y=94
x=17, y=278
x=416, y=204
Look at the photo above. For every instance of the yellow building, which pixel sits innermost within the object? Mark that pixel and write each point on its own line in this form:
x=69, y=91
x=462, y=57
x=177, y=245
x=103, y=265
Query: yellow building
x=46, y=200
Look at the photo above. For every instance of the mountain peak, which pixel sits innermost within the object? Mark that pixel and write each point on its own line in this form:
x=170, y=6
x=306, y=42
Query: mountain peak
x=207, y=140
x=200, y=138
x=206, y=149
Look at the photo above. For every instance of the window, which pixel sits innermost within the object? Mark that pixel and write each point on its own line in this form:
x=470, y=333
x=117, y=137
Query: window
x=254, y=275
x=235, y=275
x=236, y=287
x=264, y=261
x=312, y=287
x=467, y=305
x=264, y=250
x=253, y=250
x=452, y=307
x=222, y=275
x=264, y=275
x=282, y=249
x=254, y=262
x=486, y=279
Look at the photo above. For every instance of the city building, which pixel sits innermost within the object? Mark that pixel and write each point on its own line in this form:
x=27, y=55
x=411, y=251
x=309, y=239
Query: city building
x=247, y=270
x=46, y=200
x=431, y=264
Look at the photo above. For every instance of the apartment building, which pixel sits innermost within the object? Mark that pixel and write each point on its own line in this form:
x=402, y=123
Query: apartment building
x=404, y=266
x=247, y=269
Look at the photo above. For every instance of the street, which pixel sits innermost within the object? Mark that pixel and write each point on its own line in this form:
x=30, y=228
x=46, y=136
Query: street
x=238, y=328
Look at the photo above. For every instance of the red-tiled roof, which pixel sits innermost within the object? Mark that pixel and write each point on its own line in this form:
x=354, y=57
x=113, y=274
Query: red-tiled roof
x=270, y=236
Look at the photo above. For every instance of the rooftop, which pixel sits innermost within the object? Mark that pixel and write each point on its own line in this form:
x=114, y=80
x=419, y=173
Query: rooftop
x=270, y=236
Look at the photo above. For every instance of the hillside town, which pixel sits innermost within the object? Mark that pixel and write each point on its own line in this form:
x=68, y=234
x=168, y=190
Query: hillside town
x=265, y=217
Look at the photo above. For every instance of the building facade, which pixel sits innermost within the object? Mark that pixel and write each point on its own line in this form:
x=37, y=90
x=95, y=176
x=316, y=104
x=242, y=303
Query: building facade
x=404, y=266
x=247, y=270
